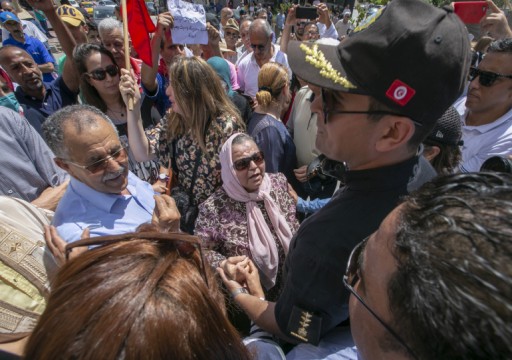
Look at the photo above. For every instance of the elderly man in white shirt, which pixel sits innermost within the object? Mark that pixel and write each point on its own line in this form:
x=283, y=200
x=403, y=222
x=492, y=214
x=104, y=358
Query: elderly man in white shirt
x=260, y=34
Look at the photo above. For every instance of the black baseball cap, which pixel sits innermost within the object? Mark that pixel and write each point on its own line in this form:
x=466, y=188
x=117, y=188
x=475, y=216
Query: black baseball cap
x=411, y=56
x=448, y=129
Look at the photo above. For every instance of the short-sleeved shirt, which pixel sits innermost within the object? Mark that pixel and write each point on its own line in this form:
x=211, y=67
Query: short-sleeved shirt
x=56, y=97
x=104, y=214
x=320, y=250
x=36, y=49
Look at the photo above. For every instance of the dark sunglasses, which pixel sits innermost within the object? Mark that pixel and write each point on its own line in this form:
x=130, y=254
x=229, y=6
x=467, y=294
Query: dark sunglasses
x=101, y=74
x=185, y=245
x=350, y=279
x=329, y=99
x=242, y=164
x=485, y=78
x=259, y=47
x=102, y=163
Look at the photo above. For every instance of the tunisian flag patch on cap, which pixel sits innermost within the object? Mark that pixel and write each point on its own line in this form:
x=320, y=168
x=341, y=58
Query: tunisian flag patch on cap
x=400, y=92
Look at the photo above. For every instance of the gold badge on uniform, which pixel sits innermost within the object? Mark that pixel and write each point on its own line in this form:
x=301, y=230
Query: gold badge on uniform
x=305, y=326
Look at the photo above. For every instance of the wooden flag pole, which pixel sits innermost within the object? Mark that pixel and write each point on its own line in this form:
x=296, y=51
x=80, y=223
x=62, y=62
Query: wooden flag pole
x=126, y=46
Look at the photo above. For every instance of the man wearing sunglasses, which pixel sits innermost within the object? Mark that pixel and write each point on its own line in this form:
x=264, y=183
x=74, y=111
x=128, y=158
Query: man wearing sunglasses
x=263, y=51
x=378, y=95
x=102, y=195
x=487, y=108
x=433, y=282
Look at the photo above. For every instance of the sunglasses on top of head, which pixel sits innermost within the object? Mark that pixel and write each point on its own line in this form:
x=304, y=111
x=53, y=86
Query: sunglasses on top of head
x=101, y=74
x=243, y=164
x=485, y=78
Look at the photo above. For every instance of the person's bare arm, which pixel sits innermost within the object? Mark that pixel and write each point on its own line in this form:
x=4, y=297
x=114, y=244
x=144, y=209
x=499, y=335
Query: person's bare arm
x=50, y=197
x=148, y=74
x=495, y=23
x=291, y=20
x=67, y=42
x=213, y=46
x=138, y=141
x=261, y=312
x=46, y=68
x=323, y=15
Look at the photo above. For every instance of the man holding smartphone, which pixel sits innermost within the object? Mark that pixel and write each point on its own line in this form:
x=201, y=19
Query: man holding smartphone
x=318, y=15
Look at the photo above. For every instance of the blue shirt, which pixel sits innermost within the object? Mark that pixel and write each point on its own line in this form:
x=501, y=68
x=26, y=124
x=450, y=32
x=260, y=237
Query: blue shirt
x=56, y=97
x=27, y=162
x=36, y=49
x=311, y=206
x=160, y=99
x=104, y=214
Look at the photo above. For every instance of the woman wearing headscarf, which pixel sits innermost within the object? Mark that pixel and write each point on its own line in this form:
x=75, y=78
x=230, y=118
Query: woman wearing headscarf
x=252, y=214
x=221, y=67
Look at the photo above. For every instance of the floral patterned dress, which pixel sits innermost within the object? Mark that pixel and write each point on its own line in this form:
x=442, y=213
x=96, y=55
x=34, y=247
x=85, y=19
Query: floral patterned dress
x=186, y=149
x=222, y=226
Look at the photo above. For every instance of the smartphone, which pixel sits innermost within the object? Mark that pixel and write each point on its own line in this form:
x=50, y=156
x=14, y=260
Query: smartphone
x=470, y=12
x=306, y=12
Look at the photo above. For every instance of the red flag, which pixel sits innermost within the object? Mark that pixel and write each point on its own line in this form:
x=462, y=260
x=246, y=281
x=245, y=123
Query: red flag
x=139, y=27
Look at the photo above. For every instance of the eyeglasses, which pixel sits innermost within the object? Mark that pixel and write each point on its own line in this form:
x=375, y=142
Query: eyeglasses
x=231, y=34
x=185, y=245
x=351, y=277
x=328, y=100
x=485, y=78
x=102, y=163
x=101, y=74
x=259, y=47
x=243, y=164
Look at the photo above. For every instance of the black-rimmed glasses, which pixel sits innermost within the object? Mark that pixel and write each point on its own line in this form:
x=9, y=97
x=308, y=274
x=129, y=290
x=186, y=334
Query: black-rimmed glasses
x=485, y=78
x=328, y=100
x=351, y=277
x=102, y=163
x=101, y=74
x=185, y=245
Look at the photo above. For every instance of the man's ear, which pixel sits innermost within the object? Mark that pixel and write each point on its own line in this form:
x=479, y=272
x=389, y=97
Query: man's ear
x=430, y=152
x=61, y=163
x=396, y=132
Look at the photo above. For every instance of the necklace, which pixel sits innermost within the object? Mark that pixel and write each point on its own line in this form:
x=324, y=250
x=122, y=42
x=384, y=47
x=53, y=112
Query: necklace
x=120, y=113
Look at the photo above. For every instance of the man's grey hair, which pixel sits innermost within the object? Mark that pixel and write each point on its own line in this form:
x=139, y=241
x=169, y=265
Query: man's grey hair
x=261, y=25
x=83, y=118
x=108, y=25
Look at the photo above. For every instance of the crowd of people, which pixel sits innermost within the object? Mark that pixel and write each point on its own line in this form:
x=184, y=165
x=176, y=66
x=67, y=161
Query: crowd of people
x=293, y=189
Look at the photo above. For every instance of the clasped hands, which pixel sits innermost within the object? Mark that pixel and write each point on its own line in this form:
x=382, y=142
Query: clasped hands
x=240, y=272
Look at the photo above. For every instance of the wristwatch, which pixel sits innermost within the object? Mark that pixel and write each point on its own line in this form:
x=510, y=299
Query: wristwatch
x=239, y=291
x=163, y=177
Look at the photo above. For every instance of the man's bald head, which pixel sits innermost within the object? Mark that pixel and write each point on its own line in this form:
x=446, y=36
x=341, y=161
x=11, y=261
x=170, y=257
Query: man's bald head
x=260, y=26
x=225, y=14
x=7, y=6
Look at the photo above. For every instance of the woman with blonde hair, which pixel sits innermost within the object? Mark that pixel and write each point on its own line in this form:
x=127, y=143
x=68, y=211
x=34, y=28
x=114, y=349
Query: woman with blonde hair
x=265, y=126
x=201, y=119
